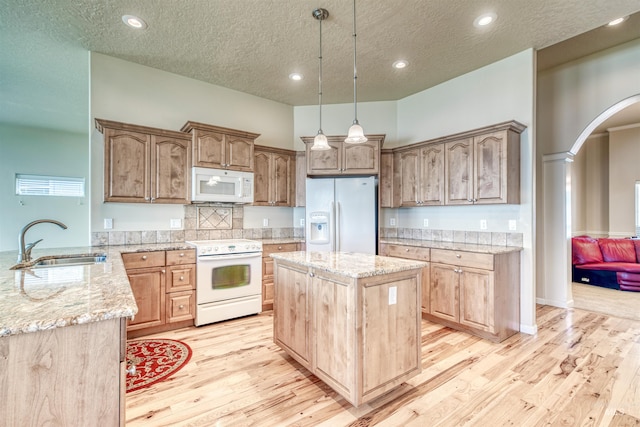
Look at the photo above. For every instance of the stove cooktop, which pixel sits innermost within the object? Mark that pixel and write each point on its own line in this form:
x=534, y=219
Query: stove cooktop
x=225, y=246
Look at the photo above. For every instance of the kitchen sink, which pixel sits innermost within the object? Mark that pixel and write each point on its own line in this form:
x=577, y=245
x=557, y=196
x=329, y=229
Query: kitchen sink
x=64, y=260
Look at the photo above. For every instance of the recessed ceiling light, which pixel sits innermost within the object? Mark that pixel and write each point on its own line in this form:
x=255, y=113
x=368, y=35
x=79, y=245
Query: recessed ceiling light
x=296, y=76
x=134, y=22
x=485, y=19
x=617, y=21
x=401, y=63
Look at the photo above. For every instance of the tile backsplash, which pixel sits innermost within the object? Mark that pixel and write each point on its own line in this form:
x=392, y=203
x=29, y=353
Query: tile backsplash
x=458, y=236
x=201, y=222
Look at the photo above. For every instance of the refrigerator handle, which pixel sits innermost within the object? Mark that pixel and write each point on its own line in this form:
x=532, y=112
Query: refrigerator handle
x=338, y=226
x=332, y=227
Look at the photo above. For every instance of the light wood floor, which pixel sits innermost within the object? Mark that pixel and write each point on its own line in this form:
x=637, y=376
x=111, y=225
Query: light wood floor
x=582, y=368
x=608, y=301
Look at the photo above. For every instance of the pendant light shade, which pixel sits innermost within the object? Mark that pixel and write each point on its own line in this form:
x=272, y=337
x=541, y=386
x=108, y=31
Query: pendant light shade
x=356, y=133
x=320, y=141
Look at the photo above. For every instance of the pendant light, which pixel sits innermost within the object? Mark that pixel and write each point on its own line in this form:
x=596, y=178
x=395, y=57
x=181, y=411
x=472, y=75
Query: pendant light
x=320, y=141
x=356, y=133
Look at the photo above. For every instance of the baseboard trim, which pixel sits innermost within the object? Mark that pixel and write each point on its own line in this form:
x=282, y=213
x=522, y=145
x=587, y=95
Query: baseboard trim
x=553, y=303
x=529, y=329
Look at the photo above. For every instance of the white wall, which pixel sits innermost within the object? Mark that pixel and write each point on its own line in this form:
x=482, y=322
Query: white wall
x=624, y=171
x=42, y=152
x=131, y=93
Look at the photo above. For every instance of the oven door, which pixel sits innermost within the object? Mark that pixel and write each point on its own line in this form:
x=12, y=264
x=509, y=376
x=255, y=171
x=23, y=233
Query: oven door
x=225, y=277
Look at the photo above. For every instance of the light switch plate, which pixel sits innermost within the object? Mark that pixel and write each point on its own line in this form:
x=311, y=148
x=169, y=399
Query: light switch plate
x=301, y=222
x=393, y=295
x=108, y=223
x=483, y=224
x=425, y=222
x=392, y=222
x=512, y=225
x=175, y=223
x=265, y=222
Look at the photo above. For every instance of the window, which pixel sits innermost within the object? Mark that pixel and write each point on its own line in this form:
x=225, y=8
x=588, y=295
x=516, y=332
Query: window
x=39, y=185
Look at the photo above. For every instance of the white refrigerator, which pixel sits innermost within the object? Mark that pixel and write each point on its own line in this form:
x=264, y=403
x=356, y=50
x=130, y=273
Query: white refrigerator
x=342, y=214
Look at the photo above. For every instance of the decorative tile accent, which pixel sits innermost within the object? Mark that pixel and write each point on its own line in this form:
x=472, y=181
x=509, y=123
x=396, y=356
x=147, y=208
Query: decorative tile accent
x=214, y=218
x=238, y=212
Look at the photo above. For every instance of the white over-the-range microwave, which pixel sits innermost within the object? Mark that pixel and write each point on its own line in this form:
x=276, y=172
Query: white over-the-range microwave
x=221, y=185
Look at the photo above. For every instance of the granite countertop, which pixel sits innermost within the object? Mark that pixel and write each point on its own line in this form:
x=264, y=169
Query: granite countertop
x=38, y=299
x=456, y=246
x=350, y=264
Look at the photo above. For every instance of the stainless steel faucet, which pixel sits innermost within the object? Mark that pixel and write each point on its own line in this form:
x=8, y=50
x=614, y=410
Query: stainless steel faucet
x=24, y=251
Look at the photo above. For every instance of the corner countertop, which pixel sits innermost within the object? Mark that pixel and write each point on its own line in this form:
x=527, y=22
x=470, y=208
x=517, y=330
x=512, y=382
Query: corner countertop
x=38, y=299
x=454, y=246
x=350, y=264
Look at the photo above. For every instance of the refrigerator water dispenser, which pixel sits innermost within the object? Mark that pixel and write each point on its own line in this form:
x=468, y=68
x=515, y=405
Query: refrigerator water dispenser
x=319, y=227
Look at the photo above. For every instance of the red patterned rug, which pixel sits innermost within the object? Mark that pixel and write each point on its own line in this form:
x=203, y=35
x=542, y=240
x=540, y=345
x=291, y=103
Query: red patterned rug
x=155, y=360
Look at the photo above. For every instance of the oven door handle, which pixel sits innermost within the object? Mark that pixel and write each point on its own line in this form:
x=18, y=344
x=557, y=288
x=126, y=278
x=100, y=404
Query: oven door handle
x=210, y=258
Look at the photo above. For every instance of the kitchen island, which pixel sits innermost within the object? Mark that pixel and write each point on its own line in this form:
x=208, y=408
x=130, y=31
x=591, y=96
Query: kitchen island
x=63, y=338
x=351, y=319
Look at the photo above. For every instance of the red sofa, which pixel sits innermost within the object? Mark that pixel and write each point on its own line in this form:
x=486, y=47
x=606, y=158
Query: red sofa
x=611, y=263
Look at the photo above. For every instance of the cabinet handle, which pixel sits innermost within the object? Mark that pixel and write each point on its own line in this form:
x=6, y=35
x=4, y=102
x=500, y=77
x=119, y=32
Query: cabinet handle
x=181, y=254
x=181, y=306
x=132, y=370
x=144, y=257
x=163, y=271
x=181, y=278
x=312, y=275
x=406, y=250
x=458, y=256
x=279, y=248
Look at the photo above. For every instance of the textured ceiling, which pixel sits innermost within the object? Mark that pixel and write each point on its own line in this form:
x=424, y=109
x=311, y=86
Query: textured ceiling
x=253, y=45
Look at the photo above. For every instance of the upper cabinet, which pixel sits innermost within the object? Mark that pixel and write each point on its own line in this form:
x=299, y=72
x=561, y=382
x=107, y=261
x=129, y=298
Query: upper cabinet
x=419, y=174
x=274, y=182
x=221, y=148
x=145, y=165
x=484, y=168
x=343, y=158
x=301, y=179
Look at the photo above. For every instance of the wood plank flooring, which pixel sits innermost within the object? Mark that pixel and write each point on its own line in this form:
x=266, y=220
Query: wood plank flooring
x=608, y=301
x=582, y=368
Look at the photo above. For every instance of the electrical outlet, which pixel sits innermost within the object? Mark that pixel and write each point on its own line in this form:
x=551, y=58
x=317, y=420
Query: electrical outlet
x=175, y=223
x=265, y=222
x=512, y=225
x=425, y=222
x=301, y=222
x=392, y=222
x=108, y=223
x=483, y=224
x=393, y=295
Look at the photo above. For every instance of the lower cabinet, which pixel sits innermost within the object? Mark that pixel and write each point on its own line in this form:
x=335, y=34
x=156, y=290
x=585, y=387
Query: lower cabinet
x=69, y=376
x=267, y=270
x=163, y=284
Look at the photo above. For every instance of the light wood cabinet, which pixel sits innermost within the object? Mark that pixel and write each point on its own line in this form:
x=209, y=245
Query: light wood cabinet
x=145, y=165
x=419, y=173
x=69, y=376
x=386, y=179
x=274, y=183
x=348, y=331
x=301, y=179
x=483, y=169
x=476, y=292
x=267, y=270
x=413, y=252
x=221, y=148
x=343, y=158
x=163, y=284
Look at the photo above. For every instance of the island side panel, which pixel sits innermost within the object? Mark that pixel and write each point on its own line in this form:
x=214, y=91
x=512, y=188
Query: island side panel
x=334, y=331
x=390, y=332
x=292, y=311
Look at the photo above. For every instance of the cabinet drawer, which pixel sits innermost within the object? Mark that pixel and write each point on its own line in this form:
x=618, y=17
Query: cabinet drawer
x=180, y=306
x=285, y=247
x=143, y=259
x=181, y=257
x=181, y=278
x=409, y=252
x=461, y=258
x=267, y=293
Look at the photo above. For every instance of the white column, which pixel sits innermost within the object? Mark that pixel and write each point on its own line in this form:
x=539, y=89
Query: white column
x=554, y=285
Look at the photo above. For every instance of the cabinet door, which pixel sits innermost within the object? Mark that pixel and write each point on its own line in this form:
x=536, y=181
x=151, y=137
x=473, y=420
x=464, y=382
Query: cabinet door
x=443, y=298
x=170, y=170
x=292, y=312
x=301, y=179
x=239, y=153
x=459, y=172
x=126, y=166
x=181, y=306
x=490, y=167
x=262, y=178
x=476, y=299
x=386, y=180
x=407, y=170
x=208, y=149
x=425, y=287
x=324, y=162
x=360, y=158
x=181, y=278
x=281, y=180
x=431, y=188
x=149, y=291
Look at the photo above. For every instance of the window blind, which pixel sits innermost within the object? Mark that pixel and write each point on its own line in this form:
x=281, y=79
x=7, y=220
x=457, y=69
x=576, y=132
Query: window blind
x=40, y=185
